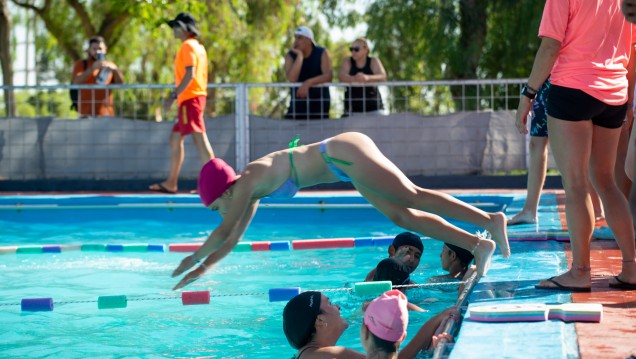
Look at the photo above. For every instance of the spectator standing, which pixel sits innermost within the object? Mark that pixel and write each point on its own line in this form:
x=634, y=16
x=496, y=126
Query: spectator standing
x=359, y=68
x=310, y=64
x=539, y=162
x=191, y=78
x=95, y=70
x=586, y=56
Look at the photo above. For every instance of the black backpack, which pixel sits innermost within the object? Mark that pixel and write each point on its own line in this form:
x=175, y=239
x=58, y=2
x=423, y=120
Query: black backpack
x=74, y=92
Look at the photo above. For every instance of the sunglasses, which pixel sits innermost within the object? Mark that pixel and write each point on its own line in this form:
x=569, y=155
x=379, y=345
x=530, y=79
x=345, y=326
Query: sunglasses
x=354, y=49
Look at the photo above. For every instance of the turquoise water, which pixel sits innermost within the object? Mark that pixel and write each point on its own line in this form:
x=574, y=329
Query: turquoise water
x=155, y=323
x=240, y=322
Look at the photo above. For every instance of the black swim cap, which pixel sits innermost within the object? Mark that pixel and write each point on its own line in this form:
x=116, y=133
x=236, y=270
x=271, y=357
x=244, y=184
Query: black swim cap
x=392, y=269
x=464, y=256
x=408, y=239
x=299, y=318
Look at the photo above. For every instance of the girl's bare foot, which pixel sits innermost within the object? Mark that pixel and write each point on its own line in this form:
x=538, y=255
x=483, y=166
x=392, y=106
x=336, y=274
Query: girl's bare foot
x=523, y=217
x=483, y=254
x=497, y=230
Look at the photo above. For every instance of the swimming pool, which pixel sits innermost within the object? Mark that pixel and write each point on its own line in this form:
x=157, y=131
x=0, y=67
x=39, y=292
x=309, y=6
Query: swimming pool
x=239, y=322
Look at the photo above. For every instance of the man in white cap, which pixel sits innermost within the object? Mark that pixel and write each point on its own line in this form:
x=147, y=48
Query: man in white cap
x=310, y=64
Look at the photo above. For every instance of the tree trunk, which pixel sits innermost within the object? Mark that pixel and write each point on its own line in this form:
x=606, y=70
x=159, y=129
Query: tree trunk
x=473, y=28
x=5, y=57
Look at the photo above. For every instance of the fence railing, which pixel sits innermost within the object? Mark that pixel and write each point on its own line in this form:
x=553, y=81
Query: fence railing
x=426, y=128
x=144, y=101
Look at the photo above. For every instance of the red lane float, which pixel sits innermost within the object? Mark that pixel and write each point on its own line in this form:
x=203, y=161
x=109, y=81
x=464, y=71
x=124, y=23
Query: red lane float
x=323, y=243
x=192, y=298
x=260, y=246
x=184, y=247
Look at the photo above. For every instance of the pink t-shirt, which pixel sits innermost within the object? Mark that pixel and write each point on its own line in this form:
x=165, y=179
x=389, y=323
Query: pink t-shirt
x=595, y=46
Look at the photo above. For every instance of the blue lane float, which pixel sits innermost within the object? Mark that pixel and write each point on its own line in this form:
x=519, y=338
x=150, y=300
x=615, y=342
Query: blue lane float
x=280, y=246
x=37, y=304
x=363, y=242
x=156, y=248
x=283, y=294
x=51, y=249
x=382, y=241
x=114, y=247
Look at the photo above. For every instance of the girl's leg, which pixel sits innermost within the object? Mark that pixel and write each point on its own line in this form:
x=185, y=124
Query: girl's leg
x=374, y=172
x=536, y=179
x=571, y=144
x=602, y=163
x=435, y=227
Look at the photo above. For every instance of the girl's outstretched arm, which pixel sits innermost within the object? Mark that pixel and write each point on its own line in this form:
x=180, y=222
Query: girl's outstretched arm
x=222, y=239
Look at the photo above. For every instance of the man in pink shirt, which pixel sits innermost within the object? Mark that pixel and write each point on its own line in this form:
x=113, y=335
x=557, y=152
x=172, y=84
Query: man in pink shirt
x=586, y=48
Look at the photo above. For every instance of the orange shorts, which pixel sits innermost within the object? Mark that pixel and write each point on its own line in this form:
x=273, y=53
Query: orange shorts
x=190, y=117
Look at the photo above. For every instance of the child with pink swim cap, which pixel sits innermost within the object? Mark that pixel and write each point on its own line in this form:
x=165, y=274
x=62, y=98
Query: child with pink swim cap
x=384, y=326
x=313, y=325
x=351, y=157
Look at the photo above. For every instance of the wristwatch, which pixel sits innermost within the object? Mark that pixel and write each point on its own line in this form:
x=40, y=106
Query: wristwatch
x=526, y=92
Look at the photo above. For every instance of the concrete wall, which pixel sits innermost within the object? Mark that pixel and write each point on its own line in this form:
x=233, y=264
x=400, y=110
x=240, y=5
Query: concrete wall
x=114, y=148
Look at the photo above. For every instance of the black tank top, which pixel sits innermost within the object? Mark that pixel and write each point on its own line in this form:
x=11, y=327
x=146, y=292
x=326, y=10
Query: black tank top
x=362, y=99
x=316, y=104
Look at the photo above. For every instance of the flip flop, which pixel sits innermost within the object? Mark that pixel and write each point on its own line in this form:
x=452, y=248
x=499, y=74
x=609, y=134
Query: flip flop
x=622, y=284
x=161, y=189
x=559, y=286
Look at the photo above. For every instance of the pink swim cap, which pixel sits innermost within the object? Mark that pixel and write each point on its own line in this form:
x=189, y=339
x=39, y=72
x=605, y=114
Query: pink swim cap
x=387, y=316
x=215, y=178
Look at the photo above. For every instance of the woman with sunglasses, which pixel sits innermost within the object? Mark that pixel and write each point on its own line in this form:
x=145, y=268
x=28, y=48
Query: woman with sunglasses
x=358, y=69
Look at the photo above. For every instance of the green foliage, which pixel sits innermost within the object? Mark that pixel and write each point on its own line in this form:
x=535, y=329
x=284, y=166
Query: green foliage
x=245, y=39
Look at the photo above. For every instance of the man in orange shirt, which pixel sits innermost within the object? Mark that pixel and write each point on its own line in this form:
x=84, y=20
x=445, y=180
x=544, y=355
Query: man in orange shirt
x=95, y=70
x=191, y=75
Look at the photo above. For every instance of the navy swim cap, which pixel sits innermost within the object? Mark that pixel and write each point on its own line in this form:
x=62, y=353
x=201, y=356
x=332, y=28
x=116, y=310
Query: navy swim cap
x=464, y=256
x=299, y=318
x=408, y=239
x=392, y=269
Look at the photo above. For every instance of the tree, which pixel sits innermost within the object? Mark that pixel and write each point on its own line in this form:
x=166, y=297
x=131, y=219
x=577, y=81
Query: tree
x=449, y=39
x=5, y=57
x=244, y=38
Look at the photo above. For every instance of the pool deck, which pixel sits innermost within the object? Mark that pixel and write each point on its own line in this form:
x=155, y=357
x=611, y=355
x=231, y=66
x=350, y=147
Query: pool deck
x=615, y=335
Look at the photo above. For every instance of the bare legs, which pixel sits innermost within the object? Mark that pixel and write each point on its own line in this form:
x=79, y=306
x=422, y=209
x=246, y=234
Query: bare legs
x=177, y=155
x=536, y=178
x=580, y=148
x=203, y=147
x=410, y=206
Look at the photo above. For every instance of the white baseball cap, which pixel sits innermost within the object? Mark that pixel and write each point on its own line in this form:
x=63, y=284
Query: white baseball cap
x=306, y=32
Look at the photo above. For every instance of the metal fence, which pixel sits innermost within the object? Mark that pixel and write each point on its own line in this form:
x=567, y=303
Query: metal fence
x=144, y=101
x=426, y=128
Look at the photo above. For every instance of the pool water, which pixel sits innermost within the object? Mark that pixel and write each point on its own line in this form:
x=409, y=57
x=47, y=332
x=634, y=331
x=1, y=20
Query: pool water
x=239, y=322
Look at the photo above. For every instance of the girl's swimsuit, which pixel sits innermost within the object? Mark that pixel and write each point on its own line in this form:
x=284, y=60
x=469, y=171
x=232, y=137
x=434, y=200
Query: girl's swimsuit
x=290, y=187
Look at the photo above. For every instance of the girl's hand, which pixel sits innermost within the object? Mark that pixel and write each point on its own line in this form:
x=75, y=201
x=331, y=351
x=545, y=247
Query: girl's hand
x=189, y=278
x=187, y=263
